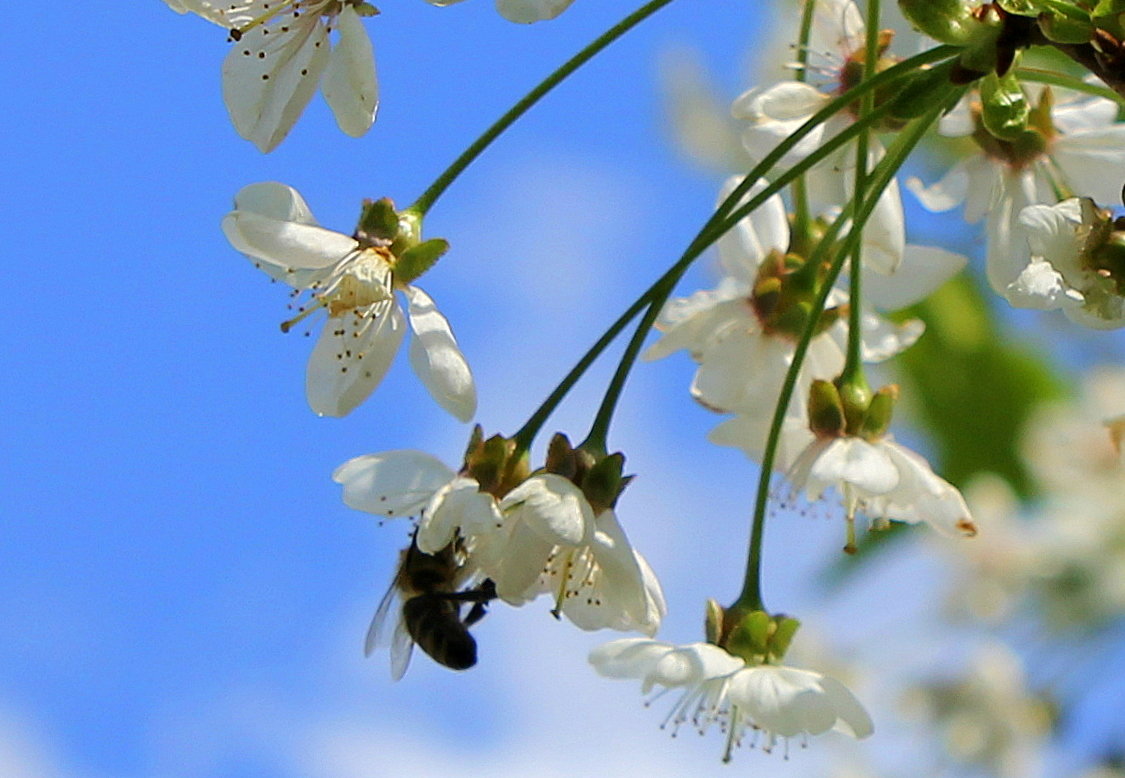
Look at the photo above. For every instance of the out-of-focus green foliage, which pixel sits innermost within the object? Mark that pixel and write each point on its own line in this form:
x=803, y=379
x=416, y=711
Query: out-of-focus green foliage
x=972, y=386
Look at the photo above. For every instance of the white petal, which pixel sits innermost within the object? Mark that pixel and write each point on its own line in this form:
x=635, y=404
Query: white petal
x=853, y=718
x=298, y=254
x=948, y=192
x=516, y=565
x=528, y=11
x=882, y=338
x=753, y=238
x=628, y=657
x=856, y=462
x=437, y=360
x=350, y=84
x=269, y=77
x=695, y=323
x=551, y=506
x=775, y=113
x=457, y=505
x=689, y=665
x=391, y=483
x=783, y=700
x=351, y=357
x=274, y=200
x=923, y=270
x=1092, y=162
x=1041, y=287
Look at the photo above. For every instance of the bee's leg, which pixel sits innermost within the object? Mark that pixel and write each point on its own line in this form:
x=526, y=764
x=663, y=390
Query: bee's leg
x=476, y=613
x=485, y=593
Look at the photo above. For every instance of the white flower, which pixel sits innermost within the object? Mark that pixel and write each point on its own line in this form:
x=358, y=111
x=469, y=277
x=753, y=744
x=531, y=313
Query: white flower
x=1081, y=151
x=354, y=284
x=743, y=358
x=540, y=538
x=281, y=51
x=884, y=480
x=1061, y=273
x=773, y=701
x=773, y=113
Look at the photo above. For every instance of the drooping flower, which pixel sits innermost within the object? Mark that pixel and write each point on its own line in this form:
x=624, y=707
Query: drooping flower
x=542, y=537
x=743, y=336
x=1064, y=272
x=1070, y=144
x=771, y=702
x=281, y=52
x=836, y=49
x=884, y=480
x=353, y=282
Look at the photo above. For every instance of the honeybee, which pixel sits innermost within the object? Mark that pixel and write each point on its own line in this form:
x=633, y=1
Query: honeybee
x=430, y=615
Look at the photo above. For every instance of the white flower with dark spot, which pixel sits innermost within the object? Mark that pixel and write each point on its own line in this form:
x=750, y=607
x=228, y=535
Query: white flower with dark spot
x=281, y=51
x=353, y=284
x=771, y=702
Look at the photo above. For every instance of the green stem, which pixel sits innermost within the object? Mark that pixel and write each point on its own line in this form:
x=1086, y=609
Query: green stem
x=1068, y=82
x=422, y=205
x=801, y=215
x=853, y=364
x=750, y=598
x=725, y=217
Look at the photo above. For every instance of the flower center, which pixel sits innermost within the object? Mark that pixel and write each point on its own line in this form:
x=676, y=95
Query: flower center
x=359, y=282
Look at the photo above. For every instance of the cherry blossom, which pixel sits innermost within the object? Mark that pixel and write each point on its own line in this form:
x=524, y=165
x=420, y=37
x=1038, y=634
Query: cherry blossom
x=771, y=702
x=353, y=282
x=281, y=51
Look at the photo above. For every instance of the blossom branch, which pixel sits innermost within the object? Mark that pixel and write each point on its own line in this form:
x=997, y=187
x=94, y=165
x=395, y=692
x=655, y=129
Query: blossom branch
x=426, y=200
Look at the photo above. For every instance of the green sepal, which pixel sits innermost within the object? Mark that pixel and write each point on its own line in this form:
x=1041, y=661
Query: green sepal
x=749, y=638
x=1060, y=29
x=379, y=220
x=604, y=483
x=417, y=259
x=713, y=622
x=1004, y=107
x=948, y=21
x=855, y=396
x=826, y=410
x=880, y=411
x=366, y=9
x=560, y=457
x=786, y=629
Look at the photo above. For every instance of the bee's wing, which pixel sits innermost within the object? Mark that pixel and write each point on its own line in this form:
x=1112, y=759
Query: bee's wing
x=401, y=647
x=377, y=632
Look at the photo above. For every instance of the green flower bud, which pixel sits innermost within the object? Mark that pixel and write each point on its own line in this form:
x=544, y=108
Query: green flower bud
x=419, y=258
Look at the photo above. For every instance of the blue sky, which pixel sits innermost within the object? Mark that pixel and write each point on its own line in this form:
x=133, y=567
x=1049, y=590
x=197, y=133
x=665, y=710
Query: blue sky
x=183, y=592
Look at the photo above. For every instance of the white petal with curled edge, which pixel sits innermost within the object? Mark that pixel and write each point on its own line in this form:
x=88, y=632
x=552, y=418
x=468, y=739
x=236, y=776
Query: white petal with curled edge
x=297, y=254
x=923, y=270
x=437, y=360
x=351, y=357
x=695, y=322
x=528, y=11
x=851, y=717
x=783, y=700
x=274, y=200
x=604, y=584
x=1041, y=287
x=754, y=237
x=350, y=84
x=391, y=483
x=458, y=505
x=628, y=657
x=690, y=665
x=1092, y=162
x=551, y=506
x=515, y=567
x=269, y=78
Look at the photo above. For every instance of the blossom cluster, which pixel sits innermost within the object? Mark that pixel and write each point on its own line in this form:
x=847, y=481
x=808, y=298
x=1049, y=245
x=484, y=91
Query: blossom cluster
x=815, y=280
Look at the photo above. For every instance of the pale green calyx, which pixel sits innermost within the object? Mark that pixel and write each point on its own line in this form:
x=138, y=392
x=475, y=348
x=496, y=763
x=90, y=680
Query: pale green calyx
x=755, y=636
x=1004, y=108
